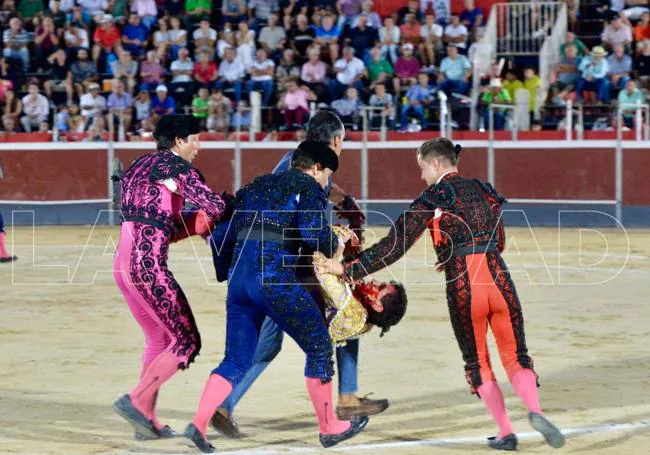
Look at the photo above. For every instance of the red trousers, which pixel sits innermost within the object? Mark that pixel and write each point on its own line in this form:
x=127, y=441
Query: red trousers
x=480, y=294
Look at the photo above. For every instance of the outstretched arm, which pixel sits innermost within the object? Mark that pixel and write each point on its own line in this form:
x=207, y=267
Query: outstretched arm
x=402, y=236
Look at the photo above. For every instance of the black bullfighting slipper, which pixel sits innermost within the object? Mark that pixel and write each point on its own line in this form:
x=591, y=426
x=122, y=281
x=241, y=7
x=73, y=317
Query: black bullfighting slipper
x=124, y=407
x=225, y=425
x=553, y=436
x=193, y=434
x=508, y=442
x=8, y=259
x=163, y=433
x=356, y=426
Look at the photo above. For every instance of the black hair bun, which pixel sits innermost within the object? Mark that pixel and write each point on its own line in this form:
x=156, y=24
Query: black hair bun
x=457, y=149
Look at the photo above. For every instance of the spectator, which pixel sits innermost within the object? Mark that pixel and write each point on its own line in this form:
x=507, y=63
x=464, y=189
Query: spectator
x=441, y=9
x=62, y=118
x=642, y=64
x=12, y=106
x=431, y=41
x=410, y=31
x=97, y=131
x=182, y=70
x=471, y=15
x=327, y=37
x=44, y=127
x=107, y=38
x=495, y=95
x=120, y=106
x=245, y=39
x=118, y=9
x=142, y=107
x=379, y=70
x=200, y=105
x=455, y=71
x=389, y=36
x=349, y=108
x=58, y=16
x=349, y=71
x=92, y=104
x=147, y=11
x=566, y=72
x=261, y=71
x=301, y=37
x=632, y=9
x=291, y=8
x=286, y=70
x=628, y=98
x=135, y=36
x=195, y=9
x=15, y=40
x=205, y=72
x=384, y=102
x=374, y=19
x=456, y=33
x=594, y=70
x=75, y=37
x=226, y=41
x=616, y=32
x=205, y=38
x=76, y=123
x=322, y=8
x=162, y=40
x=28, y=9
x=46, y=41
x=294, y=104
x=126, y=70
x=348, y=11
x=151, y=72
x=619, y=67
x=60, y=77
x=177, y=37
x=313, y=73
x=92, y=9
x=413, y=7
x=231, y=74
x=242, y=117
x=162, y=104
x=35, y=107
x=407, y=69
x=642, y=29
x=84, y=72
x=511, y=84
x=273, y=38
x=233, y=11
x=7, y=11
x=9, y=125
x=533, y=84
x=219, y=108
x=363, y=38
x=418, y=98
x=259, y=12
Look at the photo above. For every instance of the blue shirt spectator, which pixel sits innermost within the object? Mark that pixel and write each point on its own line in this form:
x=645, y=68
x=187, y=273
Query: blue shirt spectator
x=420, y=93
x=595, y=67
x=455, y=68
x=162, y=104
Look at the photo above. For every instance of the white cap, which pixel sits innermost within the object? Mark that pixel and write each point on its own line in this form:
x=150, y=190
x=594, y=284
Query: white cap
x=161, y=88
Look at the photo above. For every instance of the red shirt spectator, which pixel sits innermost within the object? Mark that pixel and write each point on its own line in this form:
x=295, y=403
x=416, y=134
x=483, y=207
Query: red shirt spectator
x=107, y=35
x=205, y=71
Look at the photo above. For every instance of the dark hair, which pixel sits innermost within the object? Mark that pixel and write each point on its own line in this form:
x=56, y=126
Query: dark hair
x=394, y=305
x=440, y=147
x=309, y=153
x=324, y=127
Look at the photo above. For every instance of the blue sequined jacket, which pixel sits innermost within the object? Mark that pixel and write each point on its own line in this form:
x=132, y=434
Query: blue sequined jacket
x=286, y=213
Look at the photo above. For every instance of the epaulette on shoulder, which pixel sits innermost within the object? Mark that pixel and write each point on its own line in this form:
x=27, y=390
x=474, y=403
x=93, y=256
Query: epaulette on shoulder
x=440, y=195
x=167, y=166
x=489, y=189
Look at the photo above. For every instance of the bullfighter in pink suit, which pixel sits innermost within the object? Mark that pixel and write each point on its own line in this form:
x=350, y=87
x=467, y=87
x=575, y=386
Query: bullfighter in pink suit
x=154, y=191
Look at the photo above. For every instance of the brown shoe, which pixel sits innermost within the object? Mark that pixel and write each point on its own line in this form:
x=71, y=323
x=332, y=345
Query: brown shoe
x=225, y=425
x=366, y=407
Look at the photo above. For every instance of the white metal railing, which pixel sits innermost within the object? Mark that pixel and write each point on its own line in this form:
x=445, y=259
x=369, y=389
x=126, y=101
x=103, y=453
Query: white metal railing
x=490, y=157
x=572, y=110
x=523, y=26
x=549, y=55
x=483, y=57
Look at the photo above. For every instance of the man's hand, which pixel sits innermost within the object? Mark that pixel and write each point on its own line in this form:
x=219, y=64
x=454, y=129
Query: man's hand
x=324, y=265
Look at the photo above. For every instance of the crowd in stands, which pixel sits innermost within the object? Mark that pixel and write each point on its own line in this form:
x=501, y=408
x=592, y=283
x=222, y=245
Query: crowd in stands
x=74, y=64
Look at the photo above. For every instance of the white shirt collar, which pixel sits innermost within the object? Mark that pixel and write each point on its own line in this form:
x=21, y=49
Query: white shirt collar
x=443, y=176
